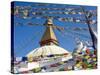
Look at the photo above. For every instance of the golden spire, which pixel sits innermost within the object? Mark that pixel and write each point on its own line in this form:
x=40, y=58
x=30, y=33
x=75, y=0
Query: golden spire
x=49, y=37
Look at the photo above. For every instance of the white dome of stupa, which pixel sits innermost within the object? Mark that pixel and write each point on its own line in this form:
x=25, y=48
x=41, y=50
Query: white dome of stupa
x=47, y=50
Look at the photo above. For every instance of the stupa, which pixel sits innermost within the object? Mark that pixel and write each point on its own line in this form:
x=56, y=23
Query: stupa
x=49, y=52
x=49, y=44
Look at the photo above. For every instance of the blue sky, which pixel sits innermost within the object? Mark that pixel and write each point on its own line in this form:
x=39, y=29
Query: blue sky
x=27, y=37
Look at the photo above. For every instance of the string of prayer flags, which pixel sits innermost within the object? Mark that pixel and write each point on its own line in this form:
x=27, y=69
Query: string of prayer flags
x=39, y=11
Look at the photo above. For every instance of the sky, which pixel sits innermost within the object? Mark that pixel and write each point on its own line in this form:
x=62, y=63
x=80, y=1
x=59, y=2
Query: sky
x=27, y=38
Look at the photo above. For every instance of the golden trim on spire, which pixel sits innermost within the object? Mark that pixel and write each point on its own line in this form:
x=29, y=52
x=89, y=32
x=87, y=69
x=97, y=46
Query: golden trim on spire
x=49, y=37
